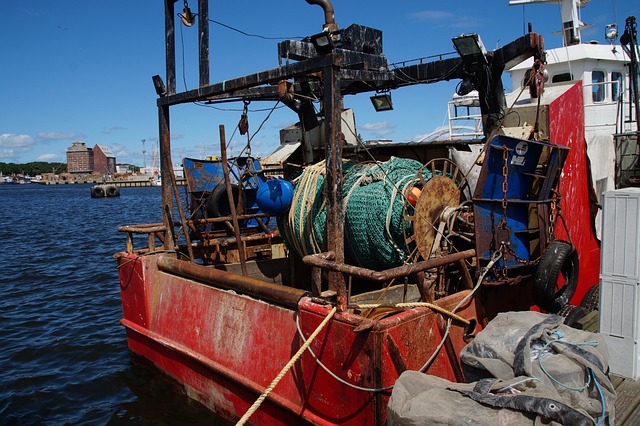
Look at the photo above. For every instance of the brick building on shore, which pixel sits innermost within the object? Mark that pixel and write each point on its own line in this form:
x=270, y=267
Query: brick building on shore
x=84, y=160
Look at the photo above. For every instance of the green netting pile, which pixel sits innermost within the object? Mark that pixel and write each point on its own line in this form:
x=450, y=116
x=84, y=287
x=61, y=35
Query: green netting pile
x=374, y=208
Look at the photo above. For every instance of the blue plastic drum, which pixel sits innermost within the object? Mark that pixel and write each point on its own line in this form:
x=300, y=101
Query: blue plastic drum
x=274, y=196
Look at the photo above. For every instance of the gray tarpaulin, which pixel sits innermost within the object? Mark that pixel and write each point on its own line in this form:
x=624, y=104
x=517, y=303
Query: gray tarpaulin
x=523, y=368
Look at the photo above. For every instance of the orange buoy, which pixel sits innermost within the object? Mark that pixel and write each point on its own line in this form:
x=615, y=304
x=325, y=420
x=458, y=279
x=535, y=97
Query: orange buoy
x=413, y=194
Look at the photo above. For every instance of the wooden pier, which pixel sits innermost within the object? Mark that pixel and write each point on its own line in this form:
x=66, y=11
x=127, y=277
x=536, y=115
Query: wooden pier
x=120, y=183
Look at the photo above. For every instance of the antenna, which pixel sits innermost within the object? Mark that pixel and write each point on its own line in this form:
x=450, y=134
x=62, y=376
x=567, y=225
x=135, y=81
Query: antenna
x=144, y=155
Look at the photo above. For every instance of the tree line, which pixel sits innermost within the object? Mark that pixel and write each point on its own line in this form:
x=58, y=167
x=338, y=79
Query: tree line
x=32, y=169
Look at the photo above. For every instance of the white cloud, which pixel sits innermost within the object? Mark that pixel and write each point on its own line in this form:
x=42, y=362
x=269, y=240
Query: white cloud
x=48, y=157
x=378, y=129
x=378, y=125
x=15, y=141
x=432, y=15
x=8, y=155
x=448, y=19
x=109, y=130
x=59, y=136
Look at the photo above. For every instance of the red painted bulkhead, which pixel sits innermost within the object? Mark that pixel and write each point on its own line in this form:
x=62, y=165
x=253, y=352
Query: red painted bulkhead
x=566, y=127
x=226, y=348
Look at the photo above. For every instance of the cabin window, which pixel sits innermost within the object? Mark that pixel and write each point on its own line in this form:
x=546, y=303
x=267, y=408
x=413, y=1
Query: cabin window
x=616, y=85
x=597, y=88
x=565, y=76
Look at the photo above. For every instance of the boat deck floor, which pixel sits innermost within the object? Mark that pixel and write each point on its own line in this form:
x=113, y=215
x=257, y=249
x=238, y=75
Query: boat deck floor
x=627, y=390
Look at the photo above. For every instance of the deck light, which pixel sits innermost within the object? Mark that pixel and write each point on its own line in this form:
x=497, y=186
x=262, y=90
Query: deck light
x=470, y=48
x=611, y=32
x=161, y=90
x=322, y=42
x=382, y=102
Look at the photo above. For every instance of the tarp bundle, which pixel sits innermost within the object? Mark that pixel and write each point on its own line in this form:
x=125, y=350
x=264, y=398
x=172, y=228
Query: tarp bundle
x=524, y=367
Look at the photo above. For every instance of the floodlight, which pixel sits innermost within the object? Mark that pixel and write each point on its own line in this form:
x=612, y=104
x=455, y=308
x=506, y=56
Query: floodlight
x=322, y=42
x=382, y=102
x=161, y=90
x=470, y=48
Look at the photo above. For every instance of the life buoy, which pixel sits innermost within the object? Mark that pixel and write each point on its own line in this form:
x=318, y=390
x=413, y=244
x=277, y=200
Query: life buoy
x=559, y=259
x=217, y=203
x=97, y=192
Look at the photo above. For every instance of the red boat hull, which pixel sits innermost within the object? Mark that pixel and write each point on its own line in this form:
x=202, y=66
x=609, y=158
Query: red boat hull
x=227, y=347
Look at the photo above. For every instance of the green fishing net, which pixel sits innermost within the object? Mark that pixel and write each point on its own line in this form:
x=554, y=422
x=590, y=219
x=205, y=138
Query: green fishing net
x=374, y=208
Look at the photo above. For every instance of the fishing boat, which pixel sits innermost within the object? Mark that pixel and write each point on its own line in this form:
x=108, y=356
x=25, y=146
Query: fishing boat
x=374, y=267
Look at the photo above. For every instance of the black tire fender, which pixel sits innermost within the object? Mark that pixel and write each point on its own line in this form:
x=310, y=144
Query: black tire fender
x=112, y=191
x=560, y=258
x=97, y=192
x=572, y=314
x=217, y=203
x=591, y=299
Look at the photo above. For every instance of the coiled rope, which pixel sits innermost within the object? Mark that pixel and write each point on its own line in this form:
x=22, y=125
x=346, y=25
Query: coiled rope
x=285, y=369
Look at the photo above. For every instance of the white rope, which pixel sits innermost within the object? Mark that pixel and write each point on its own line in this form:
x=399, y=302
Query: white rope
x=285, y=369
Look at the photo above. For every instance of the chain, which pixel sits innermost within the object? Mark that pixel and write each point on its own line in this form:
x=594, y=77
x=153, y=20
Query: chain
x=503, y=221
x=505, y=186
x=552, y=220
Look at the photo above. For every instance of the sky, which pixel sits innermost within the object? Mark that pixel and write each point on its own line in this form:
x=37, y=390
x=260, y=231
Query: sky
x=80, y=70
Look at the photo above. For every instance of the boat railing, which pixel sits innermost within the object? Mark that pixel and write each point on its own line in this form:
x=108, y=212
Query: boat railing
x=326, y=261
x=152, y=230
x=158, y=230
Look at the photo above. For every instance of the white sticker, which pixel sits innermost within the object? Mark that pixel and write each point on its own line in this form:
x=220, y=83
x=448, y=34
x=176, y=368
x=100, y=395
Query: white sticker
x=522, y=148
x=517, y=160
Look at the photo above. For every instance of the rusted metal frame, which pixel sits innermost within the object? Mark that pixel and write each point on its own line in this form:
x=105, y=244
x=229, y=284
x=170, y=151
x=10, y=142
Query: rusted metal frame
x=129, y=242
x=303, y=51
x=170, y=46
x=428, y=72
x=333, y=177
x=143, y=229
x=169, y=185
x=151, y=230
x=223, y=242
x=513, y=53
x=246, y=82
x=166, y=171
x=203, y=42
x=232, y=204
x=464, y=273
x=183, y=217
x=426, y=294
x=226, y=218
x=322, y=260
x=279, y=294
x=343, y=58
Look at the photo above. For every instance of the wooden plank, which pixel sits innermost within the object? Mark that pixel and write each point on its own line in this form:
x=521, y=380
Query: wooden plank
x=616, y=380
x=627, y=400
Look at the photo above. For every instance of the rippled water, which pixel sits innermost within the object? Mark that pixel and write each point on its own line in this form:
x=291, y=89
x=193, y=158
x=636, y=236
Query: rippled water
x=64, y=357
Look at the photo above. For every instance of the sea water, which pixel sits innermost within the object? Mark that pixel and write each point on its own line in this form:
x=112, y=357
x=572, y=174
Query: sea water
x=63, y=353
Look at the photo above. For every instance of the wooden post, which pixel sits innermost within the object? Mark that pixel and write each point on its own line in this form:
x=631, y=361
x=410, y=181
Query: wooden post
x=333, y=178
x=232, y=203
